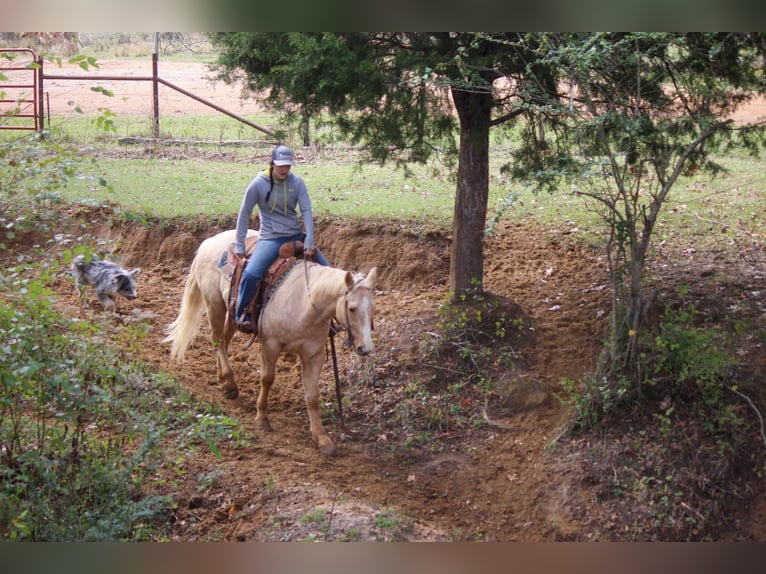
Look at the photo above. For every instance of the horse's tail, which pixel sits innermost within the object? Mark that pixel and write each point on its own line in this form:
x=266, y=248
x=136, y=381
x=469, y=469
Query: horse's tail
x=182, y=331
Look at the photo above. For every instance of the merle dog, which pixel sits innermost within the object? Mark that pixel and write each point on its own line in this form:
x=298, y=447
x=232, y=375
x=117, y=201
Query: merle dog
x=107, y=278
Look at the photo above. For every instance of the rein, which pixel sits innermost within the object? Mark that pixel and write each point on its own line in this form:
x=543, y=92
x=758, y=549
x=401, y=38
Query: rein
x=334, y=329
x=338, y=394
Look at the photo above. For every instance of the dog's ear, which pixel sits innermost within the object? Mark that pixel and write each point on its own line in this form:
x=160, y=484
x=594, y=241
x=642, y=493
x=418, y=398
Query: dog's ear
x=135, y=272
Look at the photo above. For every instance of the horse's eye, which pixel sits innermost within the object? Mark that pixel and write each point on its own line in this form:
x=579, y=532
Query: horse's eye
x=352, y=309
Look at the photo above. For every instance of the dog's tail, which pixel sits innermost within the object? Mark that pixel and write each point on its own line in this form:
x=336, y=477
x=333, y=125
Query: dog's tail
x=182, y=331
x=80, y=263
x=78, y=273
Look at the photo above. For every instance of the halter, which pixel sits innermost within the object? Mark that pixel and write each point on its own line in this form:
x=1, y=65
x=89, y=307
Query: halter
x=334, y=324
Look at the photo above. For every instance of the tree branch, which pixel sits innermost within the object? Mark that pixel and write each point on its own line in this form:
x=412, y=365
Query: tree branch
x=757, y=412
x=507, y=117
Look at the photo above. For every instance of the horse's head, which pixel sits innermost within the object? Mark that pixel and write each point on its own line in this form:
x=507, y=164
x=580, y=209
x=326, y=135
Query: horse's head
x=355, y=310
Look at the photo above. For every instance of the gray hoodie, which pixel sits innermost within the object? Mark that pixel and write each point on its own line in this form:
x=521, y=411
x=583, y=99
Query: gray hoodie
x=276, y=208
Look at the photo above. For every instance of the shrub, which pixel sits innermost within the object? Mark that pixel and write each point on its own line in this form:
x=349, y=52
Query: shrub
x=475, y=334
x=80, y=431
x=680, y=362
x=63, y=433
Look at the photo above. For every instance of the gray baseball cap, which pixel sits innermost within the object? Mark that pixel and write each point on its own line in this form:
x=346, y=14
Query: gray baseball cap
x=282, y=155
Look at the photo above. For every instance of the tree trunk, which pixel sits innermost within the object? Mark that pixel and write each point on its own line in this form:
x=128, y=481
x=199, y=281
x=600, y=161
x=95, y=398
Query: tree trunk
x=472, y=195
x=305, y=128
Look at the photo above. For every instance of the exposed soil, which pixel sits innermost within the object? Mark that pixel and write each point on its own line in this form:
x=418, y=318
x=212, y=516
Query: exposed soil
x=132, y=95
x=492, y=482
x=507, y=469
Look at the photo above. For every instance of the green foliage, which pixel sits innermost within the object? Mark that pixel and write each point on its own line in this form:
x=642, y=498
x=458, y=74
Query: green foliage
x=353, y=535
x=62, y=478
x=29, y=167
x=377, y=87
x=682, y=364
x=690, y=364
x=106, y=120
x=83, y=433
x=212, y=427
x=390, y=526
x=33, y=170
x=476, y=331
x=595, y=399
x=477, y=337
x=387, y=520
x=638, y=111
x=685, y=359
x=318, y=516
x=84, y=430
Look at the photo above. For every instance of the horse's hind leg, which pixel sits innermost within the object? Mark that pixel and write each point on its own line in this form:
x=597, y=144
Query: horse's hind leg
x=221, y=339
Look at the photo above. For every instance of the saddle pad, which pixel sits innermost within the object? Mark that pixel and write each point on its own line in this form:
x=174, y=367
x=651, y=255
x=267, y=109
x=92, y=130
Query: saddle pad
x=226, y=262
x=274, y=277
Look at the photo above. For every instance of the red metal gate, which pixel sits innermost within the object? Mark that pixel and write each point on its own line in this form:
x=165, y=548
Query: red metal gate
x=20, y=90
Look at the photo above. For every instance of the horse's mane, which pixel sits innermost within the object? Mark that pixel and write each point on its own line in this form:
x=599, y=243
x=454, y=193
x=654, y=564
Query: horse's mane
x=327, y=283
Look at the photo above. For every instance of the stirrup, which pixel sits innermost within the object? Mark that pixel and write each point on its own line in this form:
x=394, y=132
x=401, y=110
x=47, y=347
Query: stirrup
x=246, y=326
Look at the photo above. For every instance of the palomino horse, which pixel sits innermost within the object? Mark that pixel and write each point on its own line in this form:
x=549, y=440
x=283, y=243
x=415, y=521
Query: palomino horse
x=296, y=320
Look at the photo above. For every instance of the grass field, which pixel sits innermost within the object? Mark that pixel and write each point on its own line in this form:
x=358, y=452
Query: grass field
x=179, y=187
x=703, y=208
x=209, y=180
x=213, y=158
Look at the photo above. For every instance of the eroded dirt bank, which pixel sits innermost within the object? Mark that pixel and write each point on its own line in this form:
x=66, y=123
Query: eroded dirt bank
x=505, y=473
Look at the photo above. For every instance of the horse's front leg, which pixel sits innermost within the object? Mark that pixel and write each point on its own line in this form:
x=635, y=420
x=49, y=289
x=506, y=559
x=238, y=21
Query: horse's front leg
x=311, y=367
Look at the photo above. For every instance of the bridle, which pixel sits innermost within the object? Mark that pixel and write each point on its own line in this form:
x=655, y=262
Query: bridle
x=335, y=325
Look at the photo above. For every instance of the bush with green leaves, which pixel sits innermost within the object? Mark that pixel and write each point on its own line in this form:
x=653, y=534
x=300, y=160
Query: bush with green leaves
x=64, y=434
x=692, y=365
x=34, y=167
x=477, y=336
x=476, y=332
x=681, y=363
x=85, y=429
x=686, y=359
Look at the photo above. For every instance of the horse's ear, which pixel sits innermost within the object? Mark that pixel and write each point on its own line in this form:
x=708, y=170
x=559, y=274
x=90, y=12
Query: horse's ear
x=349, y=280
x=369, y=281
x=135, y=272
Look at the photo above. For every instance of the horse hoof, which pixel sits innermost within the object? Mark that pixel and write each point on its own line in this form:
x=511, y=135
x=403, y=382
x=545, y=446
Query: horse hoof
x=230, y=391
x=262, y=424
x=328, y=450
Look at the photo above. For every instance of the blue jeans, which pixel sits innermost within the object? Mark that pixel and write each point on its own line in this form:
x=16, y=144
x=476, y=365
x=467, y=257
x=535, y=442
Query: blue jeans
x=265, y=253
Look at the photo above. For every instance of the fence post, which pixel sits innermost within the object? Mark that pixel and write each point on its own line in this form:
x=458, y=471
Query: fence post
x=156, y=96
x=40, y=92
